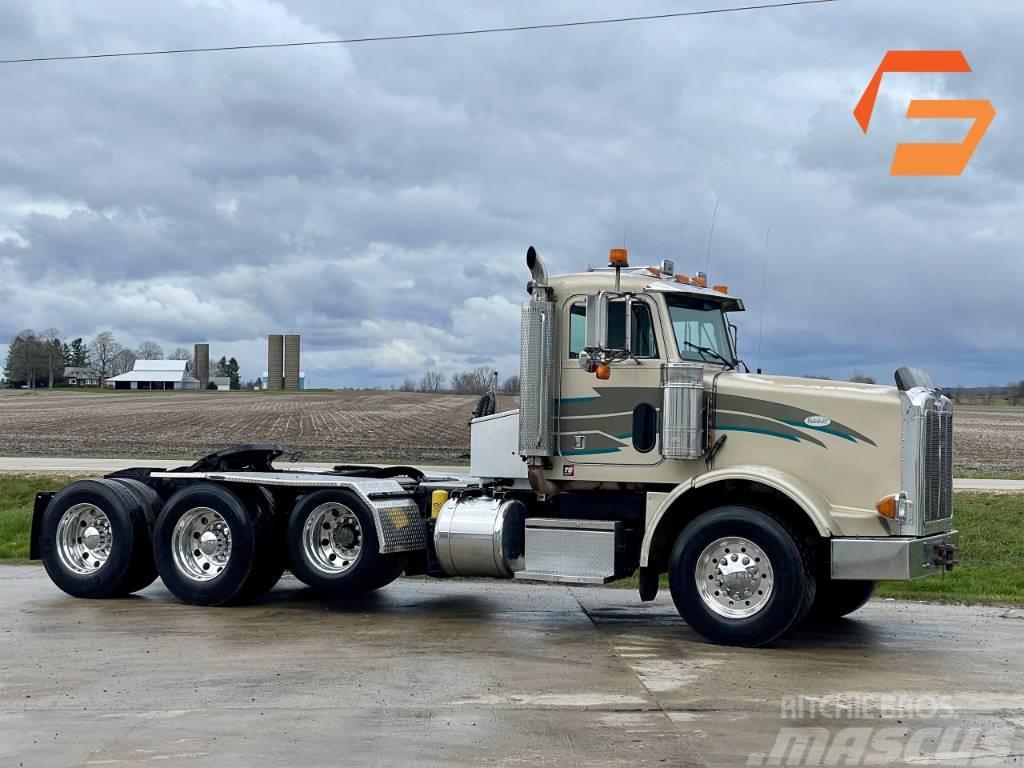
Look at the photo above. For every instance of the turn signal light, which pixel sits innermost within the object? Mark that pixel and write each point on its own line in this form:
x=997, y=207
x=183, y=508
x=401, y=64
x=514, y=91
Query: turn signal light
x=604, y=371
x=619, y=257
x=893, y=506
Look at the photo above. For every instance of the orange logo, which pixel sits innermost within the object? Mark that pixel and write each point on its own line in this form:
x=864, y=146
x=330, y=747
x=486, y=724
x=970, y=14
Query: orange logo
x=936, y=158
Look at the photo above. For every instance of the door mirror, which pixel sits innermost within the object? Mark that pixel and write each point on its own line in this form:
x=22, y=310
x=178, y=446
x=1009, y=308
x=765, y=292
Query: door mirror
x=734, y=333
x=596, y=336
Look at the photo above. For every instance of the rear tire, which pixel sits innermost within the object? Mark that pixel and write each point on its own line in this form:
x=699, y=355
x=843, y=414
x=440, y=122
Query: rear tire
x=333, y=545
x=95, y=540
x=209, y=545
x=739, y=576
x=144, y=573
x=271, y=566
x=835, y=599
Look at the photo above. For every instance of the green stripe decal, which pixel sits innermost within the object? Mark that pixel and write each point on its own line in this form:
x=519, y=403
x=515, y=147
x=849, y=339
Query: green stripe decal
x=627, y=436
x=757, y=432
x=578, y=399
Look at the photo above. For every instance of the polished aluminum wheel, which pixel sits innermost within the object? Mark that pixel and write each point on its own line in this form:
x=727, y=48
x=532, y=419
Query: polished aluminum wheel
x=201, y=544
x=332, y=538
x=84, y=538
x=734, y=577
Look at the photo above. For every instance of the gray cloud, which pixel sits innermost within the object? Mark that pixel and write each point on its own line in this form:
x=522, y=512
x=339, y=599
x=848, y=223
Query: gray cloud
x=379, y=198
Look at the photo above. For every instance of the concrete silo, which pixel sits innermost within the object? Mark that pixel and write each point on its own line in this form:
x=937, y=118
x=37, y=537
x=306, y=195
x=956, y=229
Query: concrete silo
x=275, y=361
x=201, y=364
x=292, y=350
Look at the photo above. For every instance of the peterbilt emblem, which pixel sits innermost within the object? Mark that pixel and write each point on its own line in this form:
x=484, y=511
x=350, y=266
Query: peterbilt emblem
x=579, y=442
x=817, y=421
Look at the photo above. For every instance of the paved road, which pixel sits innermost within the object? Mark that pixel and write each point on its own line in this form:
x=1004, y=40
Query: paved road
x=470, y=673
x=99, y=466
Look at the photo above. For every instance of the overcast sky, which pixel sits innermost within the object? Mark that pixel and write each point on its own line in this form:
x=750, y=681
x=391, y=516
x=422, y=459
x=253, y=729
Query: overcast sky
x=379, y=198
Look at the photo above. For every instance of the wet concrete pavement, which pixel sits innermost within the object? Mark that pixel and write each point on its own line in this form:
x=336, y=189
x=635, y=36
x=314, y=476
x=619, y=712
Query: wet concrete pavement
x=466, y=673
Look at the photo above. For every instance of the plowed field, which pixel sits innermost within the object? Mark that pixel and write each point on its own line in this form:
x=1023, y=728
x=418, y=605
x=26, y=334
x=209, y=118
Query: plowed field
x=343, y=426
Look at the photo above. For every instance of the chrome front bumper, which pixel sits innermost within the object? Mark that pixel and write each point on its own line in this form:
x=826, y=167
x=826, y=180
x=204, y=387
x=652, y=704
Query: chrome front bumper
x=894, y=558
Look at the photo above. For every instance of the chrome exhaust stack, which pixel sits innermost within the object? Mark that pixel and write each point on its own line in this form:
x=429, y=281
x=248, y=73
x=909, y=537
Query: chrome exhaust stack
x=537, y=268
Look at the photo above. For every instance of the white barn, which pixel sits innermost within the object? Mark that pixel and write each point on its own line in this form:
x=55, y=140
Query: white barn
x=156, y=374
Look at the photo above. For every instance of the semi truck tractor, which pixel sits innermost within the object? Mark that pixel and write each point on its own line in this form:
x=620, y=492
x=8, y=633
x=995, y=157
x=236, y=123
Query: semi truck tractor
x=642, y=448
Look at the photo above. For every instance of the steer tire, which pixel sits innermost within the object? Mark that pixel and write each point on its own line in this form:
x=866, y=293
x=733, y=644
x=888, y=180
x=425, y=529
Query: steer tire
x=70, y=564
x=201, y=580
x=835, y=599
x=707, y=546
x=144, y=573
x=351, y=570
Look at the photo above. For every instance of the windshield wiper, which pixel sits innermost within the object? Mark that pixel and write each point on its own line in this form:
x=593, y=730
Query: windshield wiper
x=708, y=351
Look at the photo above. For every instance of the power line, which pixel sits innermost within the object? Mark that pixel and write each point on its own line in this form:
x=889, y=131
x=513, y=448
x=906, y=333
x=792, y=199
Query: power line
x=422, y=35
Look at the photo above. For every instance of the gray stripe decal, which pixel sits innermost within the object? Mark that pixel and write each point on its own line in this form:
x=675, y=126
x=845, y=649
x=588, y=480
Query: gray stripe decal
x=609, y=400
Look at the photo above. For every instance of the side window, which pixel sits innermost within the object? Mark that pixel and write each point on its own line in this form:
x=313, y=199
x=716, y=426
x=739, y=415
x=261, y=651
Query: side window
x=641, y=332
x=577, y=329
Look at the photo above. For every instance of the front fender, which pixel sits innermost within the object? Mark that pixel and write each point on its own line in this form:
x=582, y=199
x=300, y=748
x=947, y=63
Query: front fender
x=815, y=506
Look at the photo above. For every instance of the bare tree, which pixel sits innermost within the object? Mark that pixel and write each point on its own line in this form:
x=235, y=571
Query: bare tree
x=181, y=354
x=862, y=378
x=103, y=349
x=1016, y=393
x=510, y=386
x=409, y=385
x=474, y=382
x=123, y=362
x=149, y=350
x=51, y=339
x=432, y=381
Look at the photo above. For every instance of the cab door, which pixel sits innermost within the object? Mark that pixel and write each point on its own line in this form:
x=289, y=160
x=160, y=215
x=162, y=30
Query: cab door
x=615, y=421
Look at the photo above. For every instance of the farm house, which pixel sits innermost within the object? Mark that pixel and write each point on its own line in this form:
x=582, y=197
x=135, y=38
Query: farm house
x=156, y=375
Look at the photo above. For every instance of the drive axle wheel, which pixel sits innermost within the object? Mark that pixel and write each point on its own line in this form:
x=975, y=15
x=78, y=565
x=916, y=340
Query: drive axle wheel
x=208, y=545
x=740, y=576
x=333, y=544
x=95, y=540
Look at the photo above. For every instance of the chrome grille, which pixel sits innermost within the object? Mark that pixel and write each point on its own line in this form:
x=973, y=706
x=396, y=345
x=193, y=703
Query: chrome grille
x=937, y=466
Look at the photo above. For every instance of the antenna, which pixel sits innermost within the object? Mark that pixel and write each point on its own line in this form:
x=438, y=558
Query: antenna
x=764, y=280
x=711, y=234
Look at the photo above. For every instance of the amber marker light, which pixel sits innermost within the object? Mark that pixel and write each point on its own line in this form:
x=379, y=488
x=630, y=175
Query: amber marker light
x=684, y=279
x=721, y=289
x=893, y=506
x=604, y=371
x=700, y=282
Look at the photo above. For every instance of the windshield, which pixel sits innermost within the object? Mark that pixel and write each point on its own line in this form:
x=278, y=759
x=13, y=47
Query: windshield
x=700, y=323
